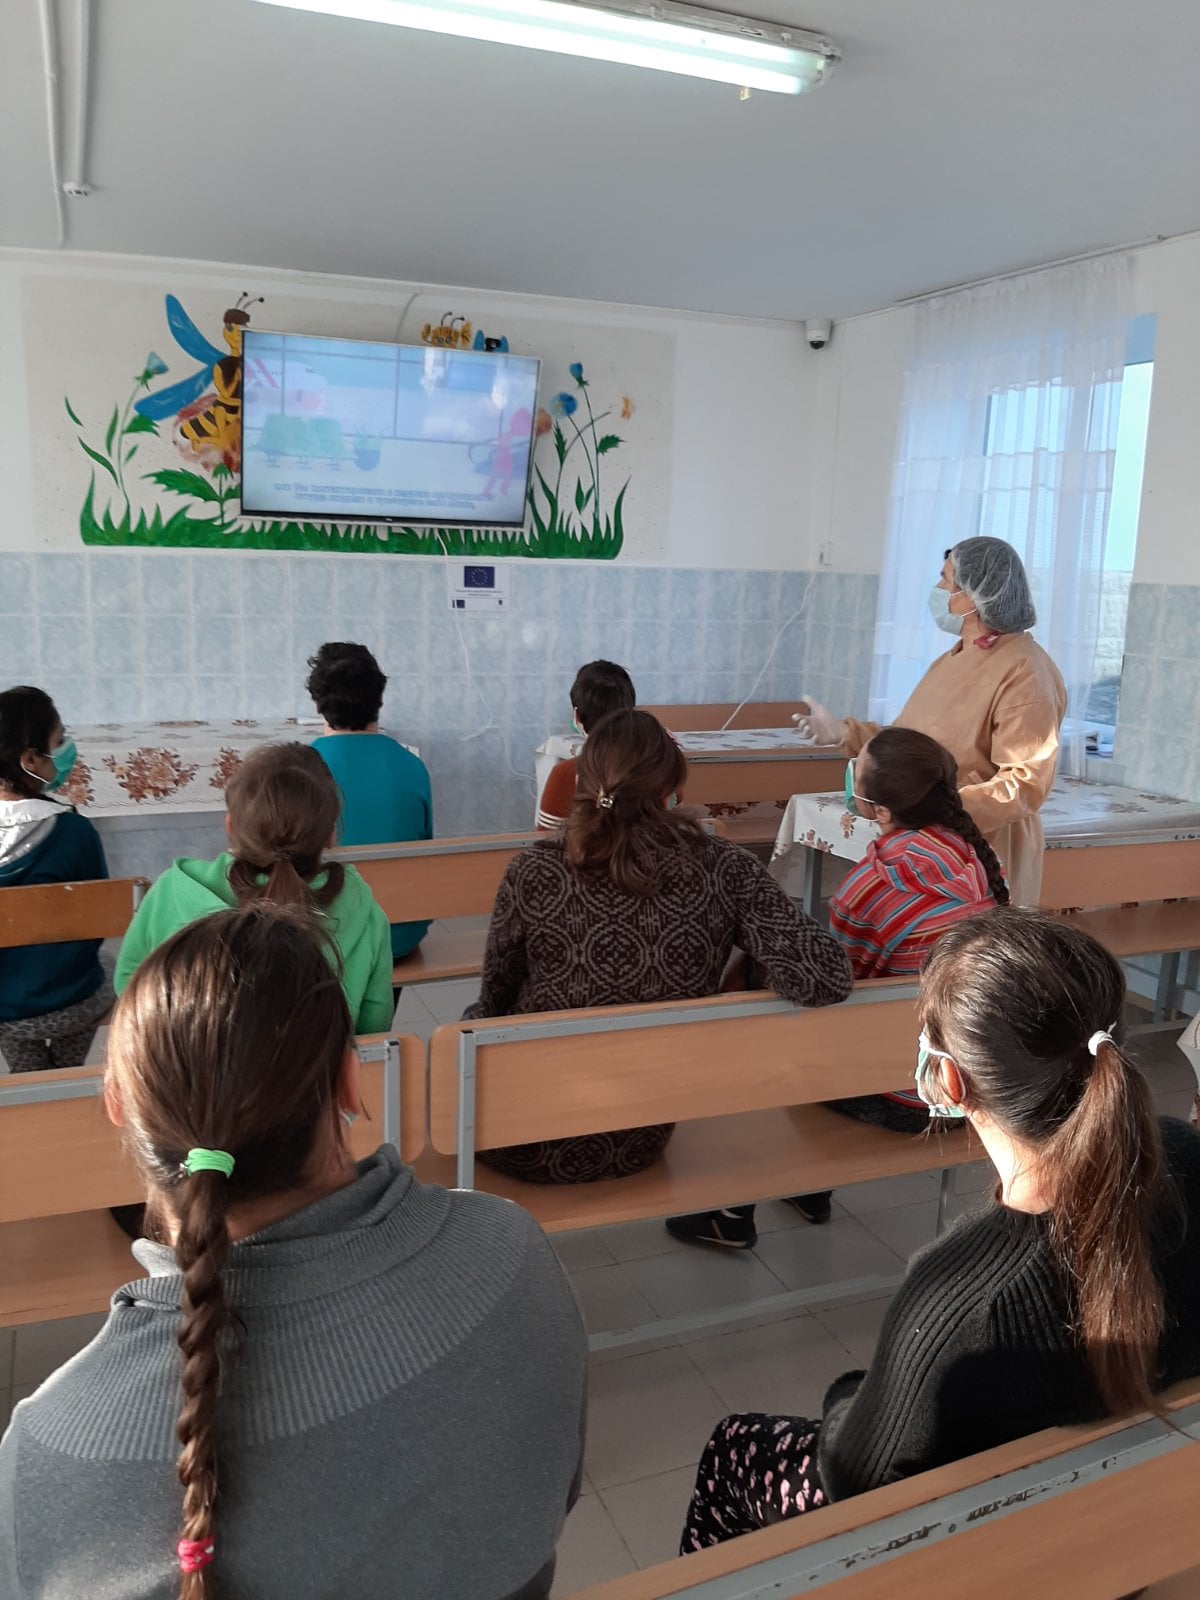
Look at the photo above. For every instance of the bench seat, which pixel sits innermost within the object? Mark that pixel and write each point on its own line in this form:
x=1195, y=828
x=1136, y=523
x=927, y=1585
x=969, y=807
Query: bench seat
x=66, y=1266
x=732, y=1160
x=449, y=950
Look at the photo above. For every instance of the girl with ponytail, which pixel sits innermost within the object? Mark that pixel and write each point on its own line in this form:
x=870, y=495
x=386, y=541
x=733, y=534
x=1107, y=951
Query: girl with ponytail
x=282, y=1408
x=1072, y=1295
x=282, y=815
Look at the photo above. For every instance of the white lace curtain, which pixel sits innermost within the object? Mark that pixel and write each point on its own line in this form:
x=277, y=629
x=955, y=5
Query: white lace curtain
x=1008, y=428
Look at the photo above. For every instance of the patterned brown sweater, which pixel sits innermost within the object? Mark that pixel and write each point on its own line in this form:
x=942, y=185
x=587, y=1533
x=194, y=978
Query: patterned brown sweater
x=560, y=939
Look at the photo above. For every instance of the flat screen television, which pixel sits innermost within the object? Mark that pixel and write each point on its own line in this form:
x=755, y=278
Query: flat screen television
x=346, y=430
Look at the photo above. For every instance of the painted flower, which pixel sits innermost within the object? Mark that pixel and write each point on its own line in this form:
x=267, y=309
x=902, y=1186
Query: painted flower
x=627, y=408
x=542, y=423
x=576, y=371
x=564, y=405
x=155, y=365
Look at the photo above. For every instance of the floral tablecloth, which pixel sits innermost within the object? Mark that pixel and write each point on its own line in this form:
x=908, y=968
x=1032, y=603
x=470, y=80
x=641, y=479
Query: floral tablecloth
x=168, y=767
x=1077, y=814
x=729, y=742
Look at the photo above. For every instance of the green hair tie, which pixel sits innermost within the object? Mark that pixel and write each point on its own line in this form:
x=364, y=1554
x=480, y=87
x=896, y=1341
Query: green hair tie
x=208, y=1161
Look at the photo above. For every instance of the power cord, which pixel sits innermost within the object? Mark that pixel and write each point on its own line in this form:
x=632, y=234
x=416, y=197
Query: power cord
x=795, y=616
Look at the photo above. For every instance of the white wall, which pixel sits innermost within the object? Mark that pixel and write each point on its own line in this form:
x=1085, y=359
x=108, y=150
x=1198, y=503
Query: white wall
x=721, y=448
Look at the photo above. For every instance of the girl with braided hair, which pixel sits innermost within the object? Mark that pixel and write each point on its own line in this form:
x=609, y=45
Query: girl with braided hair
x=318, y=1349
x=930, y=868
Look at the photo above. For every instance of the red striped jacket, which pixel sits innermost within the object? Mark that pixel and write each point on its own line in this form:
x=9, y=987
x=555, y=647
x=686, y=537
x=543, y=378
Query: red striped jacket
x=913, y=884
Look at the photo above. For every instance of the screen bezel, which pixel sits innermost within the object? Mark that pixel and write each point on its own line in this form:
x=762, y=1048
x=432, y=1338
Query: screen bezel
x=316, y=518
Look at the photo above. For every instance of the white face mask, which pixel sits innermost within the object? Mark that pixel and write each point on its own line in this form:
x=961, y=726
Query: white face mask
x=939, y=606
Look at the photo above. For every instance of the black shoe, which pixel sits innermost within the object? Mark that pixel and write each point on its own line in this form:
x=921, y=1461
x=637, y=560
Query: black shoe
x=734, y=1229
x=814, y=1208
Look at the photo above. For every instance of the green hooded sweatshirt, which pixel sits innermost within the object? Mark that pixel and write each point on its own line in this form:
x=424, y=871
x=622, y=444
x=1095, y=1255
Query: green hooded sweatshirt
x=189, y=890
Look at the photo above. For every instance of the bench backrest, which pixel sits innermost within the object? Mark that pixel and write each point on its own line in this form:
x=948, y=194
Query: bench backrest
x=709, y=717
x=55, y=913
x=552, y=1076
x=437, y=878
x=62, y=1154
x=1103, y=874
x=1083, y=1513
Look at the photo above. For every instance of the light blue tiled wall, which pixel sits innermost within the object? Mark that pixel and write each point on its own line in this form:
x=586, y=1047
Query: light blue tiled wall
x=118, y=636
x=1158, y=722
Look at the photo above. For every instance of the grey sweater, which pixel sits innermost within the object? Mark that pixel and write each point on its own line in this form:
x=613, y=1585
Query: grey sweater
x=404, y=1417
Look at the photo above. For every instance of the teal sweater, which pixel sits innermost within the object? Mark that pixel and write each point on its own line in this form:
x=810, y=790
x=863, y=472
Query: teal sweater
x=188, y=890
x=386, y=799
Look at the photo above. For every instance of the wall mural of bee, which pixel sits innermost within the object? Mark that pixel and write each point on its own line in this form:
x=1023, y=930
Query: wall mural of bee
x=208, y=424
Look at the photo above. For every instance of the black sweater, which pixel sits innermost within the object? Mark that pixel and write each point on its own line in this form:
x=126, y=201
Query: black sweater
x=977, y=1348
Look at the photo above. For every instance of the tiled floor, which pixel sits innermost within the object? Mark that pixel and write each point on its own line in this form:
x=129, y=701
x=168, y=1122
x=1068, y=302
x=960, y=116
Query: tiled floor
x=652, y=1406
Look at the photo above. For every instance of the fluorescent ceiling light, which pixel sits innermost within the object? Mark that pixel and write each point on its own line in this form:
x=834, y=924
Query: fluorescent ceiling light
x=667, y=36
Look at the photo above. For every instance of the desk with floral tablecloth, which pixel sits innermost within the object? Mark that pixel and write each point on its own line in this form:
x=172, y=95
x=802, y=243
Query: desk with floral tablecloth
x=1078, y=816
x=156, y=790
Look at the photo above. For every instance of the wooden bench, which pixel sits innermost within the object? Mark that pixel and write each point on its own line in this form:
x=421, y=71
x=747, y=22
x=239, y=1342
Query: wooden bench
x=56, y=913
x=1079, y=1513
x=452, y=881
x=743, y=1076
x=62, y=1165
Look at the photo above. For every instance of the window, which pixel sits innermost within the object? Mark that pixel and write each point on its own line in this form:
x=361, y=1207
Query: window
x=1020, y=489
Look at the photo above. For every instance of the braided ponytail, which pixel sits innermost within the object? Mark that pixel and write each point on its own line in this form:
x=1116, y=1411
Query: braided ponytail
x=200, y=1249
x=959, y=820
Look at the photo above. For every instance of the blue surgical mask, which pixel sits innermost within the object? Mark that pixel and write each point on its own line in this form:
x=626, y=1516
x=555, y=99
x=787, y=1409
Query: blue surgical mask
x=925, y=1081
x=578, y=730
x=939, y=606
x=672, y=801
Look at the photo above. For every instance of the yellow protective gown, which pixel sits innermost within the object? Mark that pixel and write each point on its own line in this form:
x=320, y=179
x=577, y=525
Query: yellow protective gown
x=998, y=710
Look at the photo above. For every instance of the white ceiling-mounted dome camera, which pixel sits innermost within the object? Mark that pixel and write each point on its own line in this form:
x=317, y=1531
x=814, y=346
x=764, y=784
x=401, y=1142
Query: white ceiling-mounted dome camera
x=818, y=331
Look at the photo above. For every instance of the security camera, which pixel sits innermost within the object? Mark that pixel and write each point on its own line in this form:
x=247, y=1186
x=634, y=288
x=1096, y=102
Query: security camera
x=818, y=331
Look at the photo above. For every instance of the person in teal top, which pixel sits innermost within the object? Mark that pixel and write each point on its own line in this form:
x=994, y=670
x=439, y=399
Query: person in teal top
x=386, y=798
x=283, y=813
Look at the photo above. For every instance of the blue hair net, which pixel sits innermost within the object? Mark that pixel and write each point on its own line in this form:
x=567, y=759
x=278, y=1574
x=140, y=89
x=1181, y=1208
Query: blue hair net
x=992, y=575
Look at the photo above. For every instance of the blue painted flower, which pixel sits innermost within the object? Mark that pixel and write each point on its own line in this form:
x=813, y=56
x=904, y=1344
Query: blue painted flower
x=564, y=405
x=576, y=371
x=155, y=365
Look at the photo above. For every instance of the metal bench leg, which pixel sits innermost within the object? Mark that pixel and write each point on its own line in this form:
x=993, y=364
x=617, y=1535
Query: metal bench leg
x=810, y=897
x=1168, y=979
x=944, y=1193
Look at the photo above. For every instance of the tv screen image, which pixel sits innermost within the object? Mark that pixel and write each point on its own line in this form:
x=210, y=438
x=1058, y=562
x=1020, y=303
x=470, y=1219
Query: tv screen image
x=337, y=429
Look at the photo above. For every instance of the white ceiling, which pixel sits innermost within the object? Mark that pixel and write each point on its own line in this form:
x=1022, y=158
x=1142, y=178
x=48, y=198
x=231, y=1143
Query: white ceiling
x=956, y=139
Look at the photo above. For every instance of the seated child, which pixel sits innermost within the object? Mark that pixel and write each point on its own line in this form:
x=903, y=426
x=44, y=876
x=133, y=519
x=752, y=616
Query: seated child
x=386, y=797
x=330, y=1379
x=660, y=904
x=599, y=688
x=283, y=808
x=931, y=868
x=52, y=996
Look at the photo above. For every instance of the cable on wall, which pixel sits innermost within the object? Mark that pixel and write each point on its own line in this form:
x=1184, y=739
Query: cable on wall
x=50, y=63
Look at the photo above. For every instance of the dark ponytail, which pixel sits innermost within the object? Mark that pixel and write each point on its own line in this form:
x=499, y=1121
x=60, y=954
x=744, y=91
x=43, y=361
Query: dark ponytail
x=201, y=1247
x=916, y=778
x=284, y=807
x=1019, y=1000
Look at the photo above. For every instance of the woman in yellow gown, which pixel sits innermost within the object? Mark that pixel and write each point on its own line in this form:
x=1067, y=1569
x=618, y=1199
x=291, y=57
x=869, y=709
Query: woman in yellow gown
x=995, y=700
